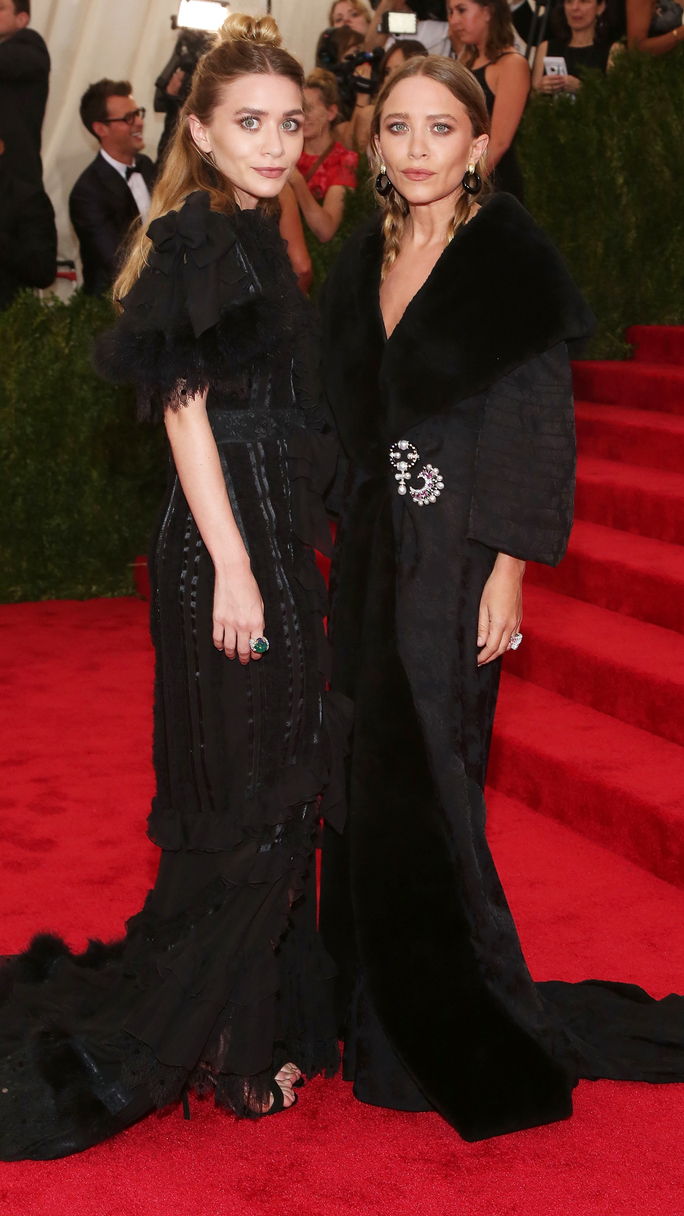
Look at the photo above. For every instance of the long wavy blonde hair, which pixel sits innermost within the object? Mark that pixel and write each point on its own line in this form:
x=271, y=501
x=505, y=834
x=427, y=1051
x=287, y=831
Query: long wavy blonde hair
x=244, y=45
x=465, y=88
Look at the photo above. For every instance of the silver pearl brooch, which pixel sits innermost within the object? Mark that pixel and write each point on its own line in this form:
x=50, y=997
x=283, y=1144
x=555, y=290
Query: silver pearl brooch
x=403, y=456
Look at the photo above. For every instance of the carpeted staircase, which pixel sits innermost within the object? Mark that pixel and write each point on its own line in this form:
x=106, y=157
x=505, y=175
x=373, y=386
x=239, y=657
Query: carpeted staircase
x=590, y=724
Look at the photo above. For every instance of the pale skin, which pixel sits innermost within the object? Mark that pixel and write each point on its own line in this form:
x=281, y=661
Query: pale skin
x=508, y=78
x=322, y=218
x=581, y=16
x=255, y=138
x=346, y=13
x=293, y=234
x=426, y=141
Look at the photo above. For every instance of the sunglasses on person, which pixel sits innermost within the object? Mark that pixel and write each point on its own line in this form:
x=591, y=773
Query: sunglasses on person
x=129, y=118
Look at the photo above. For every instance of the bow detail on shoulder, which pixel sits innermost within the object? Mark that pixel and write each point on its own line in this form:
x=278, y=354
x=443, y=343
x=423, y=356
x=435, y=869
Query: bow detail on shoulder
x=194, y=248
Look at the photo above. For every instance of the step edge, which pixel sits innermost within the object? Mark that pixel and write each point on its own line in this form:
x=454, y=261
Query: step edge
x=668, y=637
x=597, y=719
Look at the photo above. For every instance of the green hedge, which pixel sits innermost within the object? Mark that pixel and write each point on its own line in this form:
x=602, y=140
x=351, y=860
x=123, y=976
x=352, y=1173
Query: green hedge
x=80, y=481
x=604, y=175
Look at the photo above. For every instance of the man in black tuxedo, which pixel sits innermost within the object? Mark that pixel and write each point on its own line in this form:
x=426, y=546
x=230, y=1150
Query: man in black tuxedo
x=115, y=188
x=24, y=74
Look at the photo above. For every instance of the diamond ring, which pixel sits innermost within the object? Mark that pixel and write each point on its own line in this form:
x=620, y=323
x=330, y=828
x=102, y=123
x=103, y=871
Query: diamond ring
x=516, y=639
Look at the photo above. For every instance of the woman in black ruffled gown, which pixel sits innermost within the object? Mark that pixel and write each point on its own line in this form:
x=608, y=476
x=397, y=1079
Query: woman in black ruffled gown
x=220, y=983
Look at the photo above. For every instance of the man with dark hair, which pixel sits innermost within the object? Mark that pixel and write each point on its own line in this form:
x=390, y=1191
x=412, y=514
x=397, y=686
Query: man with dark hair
x=28, y=237
x=115, y=188
x=24, y=74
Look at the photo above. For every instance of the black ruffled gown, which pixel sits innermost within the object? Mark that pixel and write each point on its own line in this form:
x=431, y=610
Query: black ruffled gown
x=221, y=977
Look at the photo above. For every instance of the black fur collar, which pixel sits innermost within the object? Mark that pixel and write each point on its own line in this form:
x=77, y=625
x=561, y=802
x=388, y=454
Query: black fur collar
x=499, y=295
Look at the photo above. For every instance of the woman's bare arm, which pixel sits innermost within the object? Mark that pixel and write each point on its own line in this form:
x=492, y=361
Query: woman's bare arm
x=293, y=234
x=639, y=16
x=238, y=607
x=323, y=218
x=511, y=92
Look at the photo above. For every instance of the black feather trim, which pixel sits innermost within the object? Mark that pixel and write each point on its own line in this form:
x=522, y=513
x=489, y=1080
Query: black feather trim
x=217, y=300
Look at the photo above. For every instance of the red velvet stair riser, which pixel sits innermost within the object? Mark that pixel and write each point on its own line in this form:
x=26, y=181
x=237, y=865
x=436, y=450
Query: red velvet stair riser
x=649, y=589
x=649, y=502
x=645, y=386
x=641, y=438
x=592, y=656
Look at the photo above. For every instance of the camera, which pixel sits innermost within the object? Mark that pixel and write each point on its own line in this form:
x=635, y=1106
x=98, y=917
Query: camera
x=344, y=70
x=398, y=23
x=189, y=48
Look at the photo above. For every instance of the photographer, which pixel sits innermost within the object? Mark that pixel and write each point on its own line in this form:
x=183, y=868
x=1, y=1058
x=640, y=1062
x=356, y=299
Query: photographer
x=326, y=169
x=391, y=61
x=431, y=28
x=173, y=83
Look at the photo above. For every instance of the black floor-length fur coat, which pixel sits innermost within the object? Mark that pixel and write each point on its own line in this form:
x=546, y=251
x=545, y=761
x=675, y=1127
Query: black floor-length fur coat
x=440, y=1009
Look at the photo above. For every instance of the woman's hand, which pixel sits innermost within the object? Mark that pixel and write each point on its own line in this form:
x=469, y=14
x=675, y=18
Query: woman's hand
x=500, y=608
x=238, y=612
x=551, y=84
x=571, y=84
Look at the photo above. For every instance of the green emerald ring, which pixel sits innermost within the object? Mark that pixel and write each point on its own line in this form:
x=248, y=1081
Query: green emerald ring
x=259, y=645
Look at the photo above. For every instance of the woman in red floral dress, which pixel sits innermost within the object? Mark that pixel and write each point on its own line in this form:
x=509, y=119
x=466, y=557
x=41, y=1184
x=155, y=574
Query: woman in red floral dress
x=326, y=169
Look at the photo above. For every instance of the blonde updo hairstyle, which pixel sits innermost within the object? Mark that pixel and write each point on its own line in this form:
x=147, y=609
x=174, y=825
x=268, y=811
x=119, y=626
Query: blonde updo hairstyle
x=326, y=83
x=465, y=88
x=244, y=46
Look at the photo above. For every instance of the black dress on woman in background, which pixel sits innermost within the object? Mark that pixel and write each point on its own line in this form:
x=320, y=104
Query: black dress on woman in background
x=438, y=1007
x=507, y=176
x=221, y=976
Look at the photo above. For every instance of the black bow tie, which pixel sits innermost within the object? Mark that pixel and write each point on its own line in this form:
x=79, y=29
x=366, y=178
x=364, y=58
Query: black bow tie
x=130, y=170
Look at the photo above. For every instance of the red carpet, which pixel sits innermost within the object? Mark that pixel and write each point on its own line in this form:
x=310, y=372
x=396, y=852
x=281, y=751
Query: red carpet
x=591, y=725
x=590, y=732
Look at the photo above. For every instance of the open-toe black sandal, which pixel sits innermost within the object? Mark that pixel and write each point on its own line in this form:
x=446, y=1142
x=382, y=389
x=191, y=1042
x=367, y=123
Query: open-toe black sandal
x=278, y=1103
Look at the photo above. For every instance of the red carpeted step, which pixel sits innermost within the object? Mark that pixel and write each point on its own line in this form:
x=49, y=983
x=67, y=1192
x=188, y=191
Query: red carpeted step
x=657, y=343
x=644, y=386
x=620, y=571
x=639, y=437
x=618, y=785
x=633, y=499
x=603, y=659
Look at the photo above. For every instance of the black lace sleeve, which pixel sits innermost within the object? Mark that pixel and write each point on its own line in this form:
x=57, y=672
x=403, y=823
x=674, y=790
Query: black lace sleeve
x=195, y=317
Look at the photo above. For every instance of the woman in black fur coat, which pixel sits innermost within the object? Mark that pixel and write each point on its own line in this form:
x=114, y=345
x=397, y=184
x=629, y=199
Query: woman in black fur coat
x=446, y=332
x=220, y=983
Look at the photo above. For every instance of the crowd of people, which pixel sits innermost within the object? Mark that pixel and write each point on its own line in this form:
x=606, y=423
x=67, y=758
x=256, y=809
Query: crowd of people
x=495, y=39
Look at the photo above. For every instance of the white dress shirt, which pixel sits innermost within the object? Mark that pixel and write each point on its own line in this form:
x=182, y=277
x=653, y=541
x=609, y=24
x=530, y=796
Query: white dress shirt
x=136, y=184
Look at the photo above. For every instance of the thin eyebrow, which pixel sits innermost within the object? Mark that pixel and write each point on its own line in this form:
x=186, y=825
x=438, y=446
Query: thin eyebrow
x=264, y=113
x=430, y=117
